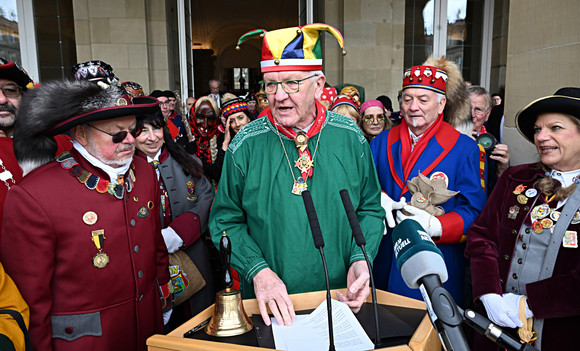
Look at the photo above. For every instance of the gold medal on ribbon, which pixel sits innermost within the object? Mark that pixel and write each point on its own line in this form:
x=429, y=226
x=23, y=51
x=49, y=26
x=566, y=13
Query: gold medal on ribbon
x=540, y=211
x=101, y=259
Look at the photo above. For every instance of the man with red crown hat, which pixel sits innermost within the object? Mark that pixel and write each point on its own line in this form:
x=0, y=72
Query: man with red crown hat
x=296, y=146
x=424, y=143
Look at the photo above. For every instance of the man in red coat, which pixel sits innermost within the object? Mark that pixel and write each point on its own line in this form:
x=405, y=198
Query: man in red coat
x=81, y=234
x=13, y=82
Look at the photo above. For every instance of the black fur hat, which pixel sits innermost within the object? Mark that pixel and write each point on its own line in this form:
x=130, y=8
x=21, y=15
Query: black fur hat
x=55, y=107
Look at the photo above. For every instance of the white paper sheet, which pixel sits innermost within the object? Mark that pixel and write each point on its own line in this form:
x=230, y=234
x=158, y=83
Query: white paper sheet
x=311, y=332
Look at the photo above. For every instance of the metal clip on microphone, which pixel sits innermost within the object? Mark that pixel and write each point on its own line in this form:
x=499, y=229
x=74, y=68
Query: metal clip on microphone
x=319, y=244
x=361, y=242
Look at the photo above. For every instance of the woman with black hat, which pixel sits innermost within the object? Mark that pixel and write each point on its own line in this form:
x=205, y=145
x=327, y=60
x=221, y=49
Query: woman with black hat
x=186, y=196
x=525, y=260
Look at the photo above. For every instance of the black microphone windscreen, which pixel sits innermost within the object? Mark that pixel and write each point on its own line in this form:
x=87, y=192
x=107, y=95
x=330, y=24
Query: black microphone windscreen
x=312, y=219
x=352, y=219
x=416, y=253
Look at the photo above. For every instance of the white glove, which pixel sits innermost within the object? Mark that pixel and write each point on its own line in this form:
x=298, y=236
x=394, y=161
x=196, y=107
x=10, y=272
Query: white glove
x=389, y=205
x=503, y=310
x=430, y=223
x=172, y=240
x=166, y=316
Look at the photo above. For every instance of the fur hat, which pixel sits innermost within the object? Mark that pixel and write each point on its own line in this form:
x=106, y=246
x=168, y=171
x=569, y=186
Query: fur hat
x=57, y=106
x=458, y=106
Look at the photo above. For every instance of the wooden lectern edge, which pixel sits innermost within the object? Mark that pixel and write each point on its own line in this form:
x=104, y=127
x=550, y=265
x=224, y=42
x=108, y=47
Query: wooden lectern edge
x=425, y=338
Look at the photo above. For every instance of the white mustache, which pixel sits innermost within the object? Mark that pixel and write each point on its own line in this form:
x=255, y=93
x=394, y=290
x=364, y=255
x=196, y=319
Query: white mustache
x=122, y=148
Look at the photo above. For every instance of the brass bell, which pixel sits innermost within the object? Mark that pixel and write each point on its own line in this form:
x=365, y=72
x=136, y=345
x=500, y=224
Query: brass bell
x=229, y=317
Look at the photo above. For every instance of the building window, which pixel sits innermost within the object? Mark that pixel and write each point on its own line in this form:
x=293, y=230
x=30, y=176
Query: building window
x=451, y=28
x=55, y=36
x=9, y=36
x=241, y=79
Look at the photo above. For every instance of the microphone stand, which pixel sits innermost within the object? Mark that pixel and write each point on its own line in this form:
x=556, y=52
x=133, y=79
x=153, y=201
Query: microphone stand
x=450, y=316
x=319, y=244
x=361, y=242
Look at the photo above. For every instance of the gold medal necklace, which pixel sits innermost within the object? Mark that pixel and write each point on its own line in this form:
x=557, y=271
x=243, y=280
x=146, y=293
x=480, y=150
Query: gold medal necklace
x=301, y=141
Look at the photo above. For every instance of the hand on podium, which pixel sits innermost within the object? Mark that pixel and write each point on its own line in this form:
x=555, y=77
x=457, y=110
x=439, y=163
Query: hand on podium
x=270, y=290
x=357, y=286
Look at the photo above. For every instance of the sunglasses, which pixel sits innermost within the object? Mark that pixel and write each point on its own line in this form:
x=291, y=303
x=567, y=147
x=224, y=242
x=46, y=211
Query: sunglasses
x=120, y=136
x=370, y=118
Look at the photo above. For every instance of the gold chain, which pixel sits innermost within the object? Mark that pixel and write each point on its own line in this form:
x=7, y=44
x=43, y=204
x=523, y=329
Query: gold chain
x=286, y=154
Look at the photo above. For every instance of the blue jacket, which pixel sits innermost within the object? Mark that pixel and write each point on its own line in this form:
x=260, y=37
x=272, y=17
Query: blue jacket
x=458, y=157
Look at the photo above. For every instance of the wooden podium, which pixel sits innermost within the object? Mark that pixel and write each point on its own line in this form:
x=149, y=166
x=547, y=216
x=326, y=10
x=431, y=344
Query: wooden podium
x=425, y=337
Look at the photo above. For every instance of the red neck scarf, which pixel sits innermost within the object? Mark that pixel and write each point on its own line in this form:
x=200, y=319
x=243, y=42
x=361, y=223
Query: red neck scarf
x=410, y=154
x=290, y=133
x=303, y=153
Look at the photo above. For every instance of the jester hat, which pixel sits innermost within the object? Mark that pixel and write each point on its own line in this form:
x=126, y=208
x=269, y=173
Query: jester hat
x=292, y=49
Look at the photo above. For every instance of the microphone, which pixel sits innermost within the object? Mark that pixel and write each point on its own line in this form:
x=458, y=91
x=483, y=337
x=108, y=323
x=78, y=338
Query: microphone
x=319, y=244
x=422, y=266
x=359, y=238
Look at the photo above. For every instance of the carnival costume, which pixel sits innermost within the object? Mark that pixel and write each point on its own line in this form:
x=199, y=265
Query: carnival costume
x=85, y=250
x=441, y=152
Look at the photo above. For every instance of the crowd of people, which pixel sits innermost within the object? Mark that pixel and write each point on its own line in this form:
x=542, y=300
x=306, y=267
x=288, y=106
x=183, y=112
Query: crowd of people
x=115, y=200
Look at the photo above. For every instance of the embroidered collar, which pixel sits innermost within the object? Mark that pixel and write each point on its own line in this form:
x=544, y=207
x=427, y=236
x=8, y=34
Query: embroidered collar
x=94, y=182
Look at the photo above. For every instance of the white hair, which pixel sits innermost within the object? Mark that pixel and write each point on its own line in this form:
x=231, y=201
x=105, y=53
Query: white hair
x=316, y=74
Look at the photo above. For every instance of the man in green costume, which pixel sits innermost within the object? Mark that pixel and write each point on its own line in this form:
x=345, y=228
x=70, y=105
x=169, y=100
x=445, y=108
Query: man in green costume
x=296, y=145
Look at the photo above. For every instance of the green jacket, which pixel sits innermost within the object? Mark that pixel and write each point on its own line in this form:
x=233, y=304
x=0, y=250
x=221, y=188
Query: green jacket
x=267, y=224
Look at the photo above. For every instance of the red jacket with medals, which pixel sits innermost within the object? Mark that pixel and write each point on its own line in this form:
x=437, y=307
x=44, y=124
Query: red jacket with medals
x=53, y=226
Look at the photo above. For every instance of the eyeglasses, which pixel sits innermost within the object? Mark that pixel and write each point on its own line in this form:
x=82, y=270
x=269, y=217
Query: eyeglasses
x=290, y=86
x=370, y=118
x=164, y=103
x=478, y=111
x=11, y=90
x=120, y=136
